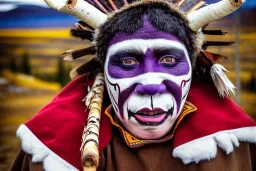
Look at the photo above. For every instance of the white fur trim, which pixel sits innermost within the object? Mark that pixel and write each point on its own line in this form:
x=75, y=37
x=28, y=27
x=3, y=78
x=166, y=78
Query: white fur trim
x=40, y=153
x=205, y=148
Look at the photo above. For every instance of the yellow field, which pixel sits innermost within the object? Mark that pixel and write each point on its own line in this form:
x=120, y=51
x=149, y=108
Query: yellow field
x=29, y=81
x=61, y=33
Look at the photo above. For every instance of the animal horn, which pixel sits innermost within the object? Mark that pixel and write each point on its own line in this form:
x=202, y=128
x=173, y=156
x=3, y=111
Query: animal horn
x=80, y=9
x=203, y=16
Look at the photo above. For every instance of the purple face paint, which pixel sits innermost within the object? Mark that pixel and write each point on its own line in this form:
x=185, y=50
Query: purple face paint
x=150, y=89
x=148, y=62
x=147, y=31
x=169, y=87
x=138, y=78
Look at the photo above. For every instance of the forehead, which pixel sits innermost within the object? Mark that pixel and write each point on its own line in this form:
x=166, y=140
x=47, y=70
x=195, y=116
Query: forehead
x=146, y=32
x=141, y=46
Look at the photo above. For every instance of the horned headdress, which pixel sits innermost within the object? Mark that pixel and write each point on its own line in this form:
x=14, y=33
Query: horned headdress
x=96, y=17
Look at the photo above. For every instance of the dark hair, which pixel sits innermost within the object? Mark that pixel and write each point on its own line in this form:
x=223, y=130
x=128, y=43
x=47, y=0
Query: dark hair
x=160, y=14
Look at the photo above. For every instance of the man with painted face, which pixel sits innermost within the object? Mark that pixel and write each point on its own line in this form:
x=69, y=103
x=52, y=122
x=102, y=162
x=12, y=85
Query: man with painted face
x=151, y=119
x=148, y=75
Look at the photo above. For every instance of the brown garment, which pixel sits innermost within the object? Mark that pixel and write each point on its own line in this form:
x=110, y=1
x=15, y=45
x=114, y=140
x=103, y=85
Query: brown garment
x=24, y=162
x=153, y=157
x=158, y=157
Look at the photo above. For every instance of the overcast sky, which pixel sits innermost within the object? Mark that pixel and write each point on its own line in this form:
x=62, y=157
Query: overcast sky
x=6, y=5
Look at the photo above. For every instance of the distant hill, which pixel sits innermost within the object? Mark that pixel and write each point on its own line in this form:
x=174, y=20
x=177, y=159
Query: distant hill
x=29, y=16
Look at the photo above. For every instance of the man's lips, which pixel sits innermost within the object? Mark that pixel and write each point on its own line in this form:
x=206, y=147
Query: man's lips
x=147, y=116
x=150, y=118
x=151, y=112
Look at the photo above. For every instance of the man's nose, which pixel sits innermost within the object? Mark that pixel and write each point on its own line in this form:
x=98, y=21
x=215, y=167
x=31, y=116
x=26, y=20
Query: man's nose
x=150, y=89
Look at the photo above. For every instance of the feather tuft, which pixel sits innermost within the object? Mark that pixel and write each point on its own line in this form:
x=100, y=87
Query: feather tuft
x=67, y=56
x=221, y=82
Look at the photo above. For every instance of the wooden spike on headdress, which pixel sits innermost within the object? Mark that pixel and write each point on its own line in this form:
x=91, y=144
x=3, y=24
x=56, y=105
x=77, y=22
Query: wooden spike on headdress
x=197, y=6
x=90, y=66
x=180, y=3
x=71, y=55
x=112, y=4
x=125, y=2
x=188, y=5
x=101, y=7
x=82, y=31
x=214, y=32
x=215, y=43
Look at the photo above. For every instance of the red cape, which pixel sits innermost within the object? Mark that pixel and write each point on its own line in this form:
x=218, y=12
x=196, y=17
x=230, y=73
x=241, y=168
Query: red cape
x=59, y=125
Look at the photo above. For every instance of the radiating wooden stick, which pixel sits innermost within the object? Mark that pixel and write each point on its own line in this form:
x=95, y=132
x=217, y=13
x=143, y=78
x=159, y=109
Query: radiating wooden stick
x=125, y=2
x=214, y=32
x=71, y=55
x=197, y=6
x=90, y=138
x=112, y=4
x=180, y=3
x=101, y=6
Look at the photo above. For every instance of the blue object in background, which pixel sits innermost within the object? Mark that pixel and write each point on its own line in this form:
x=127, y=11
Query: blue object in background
x=31, y=16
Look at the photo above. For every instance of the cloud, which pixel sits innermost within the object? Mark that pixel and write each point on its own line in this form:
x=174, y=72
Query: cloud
x=6, y=5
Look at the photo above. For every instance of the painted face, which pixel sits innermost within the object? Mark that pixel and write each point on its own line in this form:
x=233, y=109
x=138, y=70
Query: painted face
x=148, y=76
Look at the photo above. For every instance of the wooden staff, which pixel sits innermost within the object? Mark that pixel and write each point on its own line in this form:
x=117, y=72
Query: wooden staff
x=90, y=139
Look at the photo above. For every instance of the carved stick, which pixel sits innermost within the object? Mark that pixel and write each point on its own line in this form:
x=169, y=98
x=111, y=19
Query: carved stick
x=90, y=138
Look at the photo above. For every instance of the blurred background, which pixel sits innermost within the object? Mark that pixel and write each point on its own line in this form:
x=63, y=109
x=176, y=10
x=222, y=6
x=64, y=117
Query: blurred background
x=32, y=38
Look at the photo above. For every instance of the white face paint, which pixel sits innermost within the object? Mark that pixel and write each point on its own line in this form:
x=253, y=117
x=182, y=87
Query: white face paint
x=148, y=82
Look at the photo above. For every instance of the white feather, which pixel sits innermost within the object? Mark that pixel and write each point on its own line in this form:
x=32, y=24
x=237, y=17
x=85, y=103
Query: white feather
x=221, y=82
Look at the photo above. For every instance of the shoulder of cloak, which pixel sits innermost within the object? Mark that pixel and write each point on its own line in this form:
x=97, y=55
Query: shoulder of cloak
x=218, y=122
x=53, y=136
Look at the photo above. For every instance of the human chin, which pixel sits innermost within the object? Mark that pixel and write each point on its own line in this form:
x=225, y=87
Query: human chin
x=149, y=117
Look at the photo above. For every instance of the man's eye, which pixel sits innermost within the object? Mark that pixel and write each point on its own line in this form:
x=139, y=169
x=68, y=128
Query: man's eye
x=130, y=61
x=167, y=60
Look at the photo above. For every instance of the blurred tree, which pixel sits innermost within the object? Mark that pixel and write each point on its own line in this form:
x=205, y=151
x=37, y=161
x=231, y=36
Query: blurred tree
x=252, y=83
x=24, y=65
x=13, y=65
x=62, y=75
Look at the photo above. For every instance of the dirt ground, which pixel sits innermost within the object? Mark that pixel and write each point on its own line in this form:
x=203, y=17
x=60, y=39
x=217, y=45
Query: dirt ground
x=17, y=108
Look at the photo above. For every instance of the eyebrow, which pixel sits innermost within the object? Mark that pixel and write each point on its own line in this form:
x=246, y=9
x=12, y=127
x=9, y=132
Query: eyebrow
x=169, y=51
x=127, y=53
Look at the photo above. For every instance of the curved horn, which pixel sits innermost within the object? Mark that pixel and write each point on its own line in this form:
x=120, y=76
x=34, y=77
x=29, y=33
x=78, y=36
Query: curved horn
x=80, y=9
x=212, y=12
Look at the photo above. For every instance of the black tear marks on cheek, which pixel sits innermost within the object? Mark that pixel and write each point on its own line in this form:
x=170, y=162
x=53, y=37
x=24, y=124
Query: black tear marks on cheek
x=116, y=86
x=184, y=82
x=182, y=85
x=185, y=95
x=128, y=112
x=152, y=106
